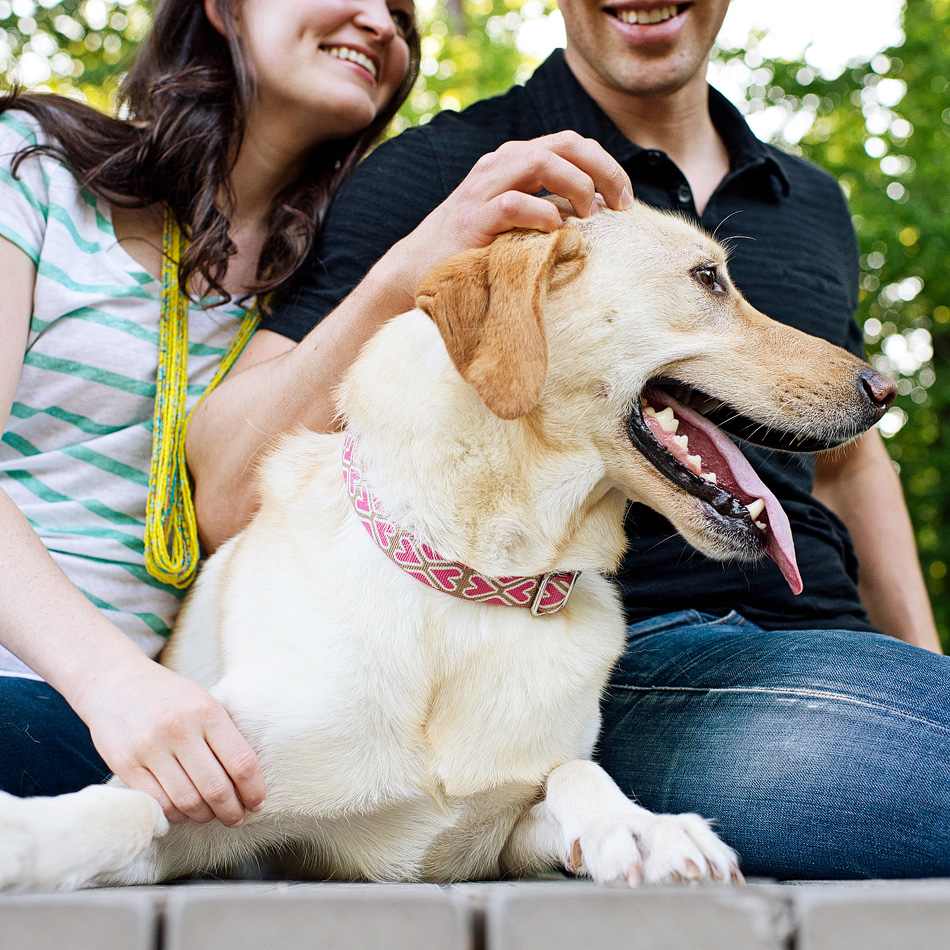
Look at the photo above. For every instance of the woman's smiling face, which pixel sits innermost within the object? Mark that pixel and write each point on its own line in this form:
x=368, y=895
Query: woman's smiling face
x=328, y=67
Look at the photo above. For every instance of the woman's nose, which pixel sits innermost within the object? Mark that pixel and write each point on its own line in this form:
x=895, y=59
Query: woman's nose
x=376, y=18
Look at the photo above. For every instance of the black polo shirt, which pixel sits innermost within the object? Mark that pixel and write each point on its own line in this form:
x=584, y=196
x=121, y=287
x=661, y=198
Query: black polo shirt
x=793, y=255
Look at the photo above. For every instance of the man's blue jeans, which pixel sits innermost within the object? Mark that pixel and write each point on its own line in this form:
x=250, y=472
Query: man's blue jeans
x=819, y=753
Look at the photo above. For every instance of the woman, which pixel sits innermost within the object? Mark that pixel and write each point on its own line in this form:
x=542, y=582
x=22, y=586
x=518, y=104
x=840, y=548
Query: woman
x=244, y=116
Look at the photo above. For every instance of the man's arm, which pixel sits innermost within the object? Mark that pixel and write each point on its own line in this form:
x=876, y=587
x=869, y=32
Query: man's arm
x=276, y=384
x=861, y=486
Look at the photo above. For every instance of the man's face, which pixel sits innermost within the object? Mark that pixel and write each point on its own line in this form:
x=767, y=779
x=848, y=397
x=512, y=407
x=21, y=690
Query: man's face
x=641, y=47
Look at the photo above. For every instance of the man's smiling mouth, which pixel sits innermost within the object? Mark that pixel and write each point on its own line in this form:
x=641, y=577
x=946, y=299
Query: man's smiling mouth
x=649, y=17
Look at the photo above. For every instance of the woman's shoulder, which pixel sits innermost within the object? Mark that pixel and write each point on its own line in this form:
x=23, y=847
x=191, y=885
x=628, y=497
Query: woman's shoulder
x=18, y=130
x=21, y=133
x=34, y=185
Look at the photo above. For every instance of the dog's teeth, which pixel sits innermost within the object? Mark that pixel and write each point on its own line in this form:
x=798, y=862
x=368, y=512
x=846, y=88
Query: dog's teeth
x=761, y=525
x=694, y=462
x=756, y=508
x=681, y=441
x=668, y=420
x=710, y=477
x=649, y=411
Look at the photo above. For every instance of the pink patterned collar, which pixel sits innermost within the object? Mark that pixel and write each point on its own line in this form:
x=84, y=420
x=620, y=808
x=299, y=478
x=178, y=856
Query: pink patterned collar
x=543, y=594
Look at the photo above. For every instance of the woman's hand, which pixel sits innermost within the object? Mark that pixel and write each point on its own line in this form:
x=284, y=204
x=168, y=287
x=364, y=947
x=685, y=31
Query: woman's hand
x=164, y=735
x=500, y=193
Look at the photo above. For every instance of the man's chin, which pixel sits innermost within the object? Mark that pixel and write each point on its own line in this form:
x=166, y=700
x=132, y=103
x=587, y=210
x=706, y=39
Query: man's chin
x=641, y=75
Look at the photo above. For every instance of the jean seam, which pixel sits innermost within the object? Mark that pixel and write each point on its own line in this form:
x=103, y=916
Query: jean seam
x=733, y=618
x=805, y=693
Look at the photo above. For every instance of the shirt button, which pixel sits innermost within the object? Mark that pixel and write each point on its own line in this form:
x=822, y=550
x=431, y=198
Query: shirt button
x=653, y=156
x=683, y=194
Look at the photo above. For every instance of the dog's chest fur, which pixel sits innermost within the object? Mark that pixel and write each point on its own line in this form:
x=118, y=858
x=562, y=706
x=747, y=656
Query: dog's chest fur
x=386, y=698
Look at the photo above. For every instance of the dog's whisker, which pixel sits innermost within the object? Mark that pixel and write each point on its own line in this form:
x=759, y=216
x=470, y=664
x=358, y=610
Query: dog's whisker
x=724, y=220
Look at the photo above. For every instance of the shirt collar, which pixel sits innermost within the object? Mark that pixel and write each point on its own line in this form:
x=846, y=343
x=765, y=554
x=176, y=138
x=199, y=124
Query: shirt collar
x=562, y=103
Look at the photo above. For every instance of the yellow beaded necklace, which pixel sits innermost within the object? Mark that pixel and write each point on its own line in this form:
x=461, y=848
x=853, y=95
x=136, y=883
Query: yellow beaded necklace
x=171, y=531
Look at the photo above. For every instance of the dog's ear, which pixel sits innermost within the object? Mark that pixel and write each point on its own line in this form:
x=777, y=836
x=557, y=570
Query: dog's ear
x=488, y=305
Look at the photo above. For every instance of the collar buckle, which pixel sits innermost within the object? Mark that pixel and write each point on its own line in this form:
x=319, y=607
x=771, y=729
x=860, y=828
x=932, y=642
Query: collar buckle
x=556, y=584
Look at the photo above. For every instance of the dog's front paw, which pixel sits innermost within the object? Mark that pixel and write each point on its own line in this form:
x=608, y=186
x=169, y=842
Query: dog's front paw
x=641, y=847
x=66, y=842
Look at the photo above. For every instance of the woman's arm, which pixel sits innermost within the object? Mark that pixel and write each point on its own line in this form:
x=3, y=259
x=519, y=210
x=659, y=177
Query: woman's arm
x=159, y=732
x=277, y=384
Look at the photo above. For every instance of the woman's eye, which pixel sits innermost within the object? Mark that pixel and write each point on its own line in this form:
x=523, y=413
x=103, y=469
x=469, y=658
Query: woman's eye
x=404, y=21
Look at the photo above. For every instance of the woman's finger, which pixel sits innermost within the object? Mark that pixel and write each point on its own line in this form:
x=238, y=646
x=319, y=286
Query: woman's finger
x=181, y=790
x=514, y=209
x=609, y=178
x=209, y=791
x=143, y=781
x=564, y=164
x=238, y=760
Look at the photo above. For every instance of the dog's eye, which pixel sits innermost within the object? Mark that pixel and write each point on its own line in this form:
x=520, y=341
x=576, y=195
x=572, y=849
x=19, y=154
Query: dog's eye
x=708, y=276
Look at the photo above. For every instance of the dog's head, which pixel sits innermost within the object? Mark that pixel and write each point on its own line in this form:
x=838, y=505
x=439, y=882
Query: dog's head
x=626, y=329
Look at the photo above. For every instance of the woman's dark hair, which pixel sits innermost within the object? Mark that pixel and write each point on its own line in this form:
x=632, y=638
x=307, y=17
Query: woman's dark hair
x=186, y=99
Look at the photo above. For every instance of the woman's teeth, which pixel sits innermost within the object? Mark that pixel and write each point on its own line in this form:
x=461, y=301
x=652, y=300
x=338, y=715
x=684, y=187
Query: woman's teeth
x=344, y=52
x=646, y=17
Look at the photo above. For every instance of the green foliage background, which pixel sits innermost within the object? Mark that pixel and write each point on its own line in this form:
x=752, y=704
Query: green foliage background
x=882, y=127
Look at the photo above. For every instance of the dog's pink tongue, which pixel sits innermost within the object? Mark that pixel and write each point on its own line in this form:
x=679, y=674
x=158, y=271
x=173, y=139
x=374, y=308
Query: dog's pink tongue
x=781, y=546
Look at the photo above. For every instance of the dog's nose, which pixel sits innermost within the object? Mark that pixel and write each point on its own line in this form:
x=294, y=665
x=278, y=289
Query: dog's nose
x=880, y=389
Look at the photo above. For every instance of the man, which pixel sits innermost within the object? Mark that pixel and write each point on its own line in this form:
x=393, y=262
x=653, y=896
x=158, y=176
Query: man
x=774, y=714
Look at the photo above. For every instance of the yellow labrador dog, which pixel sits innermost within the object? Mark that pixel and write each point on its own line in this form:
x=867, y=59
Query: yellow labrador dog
x=415, y=629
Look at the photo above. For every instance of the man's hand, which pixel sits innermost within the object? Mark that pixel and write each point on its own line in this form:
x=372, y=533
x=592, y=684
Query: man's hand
x=163, y=734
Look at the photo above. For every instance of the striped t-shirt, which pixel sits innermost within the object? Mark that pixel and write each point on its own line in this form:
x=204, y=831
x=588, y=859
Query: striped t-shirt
x=75, y=453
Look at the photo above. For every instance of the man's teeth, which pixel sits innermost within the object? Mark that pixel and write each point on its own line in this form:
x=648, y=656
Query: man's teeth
x=344, y=52
x=646, y=17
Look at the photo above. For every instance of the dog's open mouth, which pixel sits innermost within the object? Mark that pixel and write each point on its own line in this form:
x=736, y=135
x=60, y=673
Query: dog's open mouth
x=690, y=449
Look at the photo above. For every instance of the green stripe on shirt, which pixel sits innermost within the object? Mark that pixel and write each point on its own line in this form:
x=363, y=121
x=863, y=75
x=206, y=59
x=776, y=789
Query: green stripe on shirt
x=84, y=454
x=92, y=373
x=52, y=272
x=21, y=411
x=45, y=493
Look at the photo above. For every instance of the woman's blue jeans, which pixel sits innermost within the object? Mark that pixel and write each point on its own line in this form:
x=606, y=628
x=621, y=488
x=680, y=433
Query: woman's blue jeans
x=818, y=753
x=45, y=748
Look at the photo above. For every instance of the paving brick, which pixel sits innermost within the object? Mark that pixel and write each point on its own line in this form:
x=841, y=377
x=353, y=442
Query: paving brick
x=120, y=919
x=315, y=916
x=574, y=915
x=885, y=915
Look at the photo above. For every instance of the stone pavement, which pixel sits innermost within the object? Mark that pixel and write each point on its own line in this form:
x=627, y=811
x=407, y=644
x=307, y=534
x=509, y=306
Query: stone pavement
x=523, y=915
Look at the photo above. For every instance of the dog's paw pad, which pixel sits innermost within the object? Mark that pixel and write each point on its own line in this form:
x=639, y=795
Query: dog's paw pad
x=656, y=849
x=683, y=848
